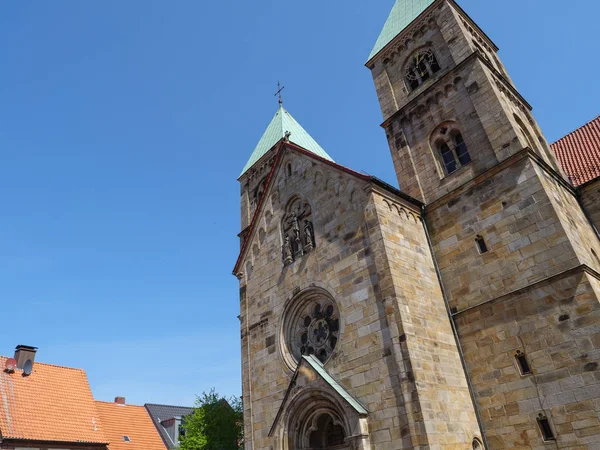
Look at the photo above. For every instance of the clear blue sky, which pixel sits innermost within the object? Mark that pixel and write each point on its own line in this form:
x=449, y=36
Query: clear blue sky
x=124, y=126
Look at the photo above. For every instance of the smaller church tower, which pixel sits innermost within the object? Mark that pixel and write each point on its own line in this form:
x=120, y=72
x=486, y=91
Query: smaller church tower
x=253, y=179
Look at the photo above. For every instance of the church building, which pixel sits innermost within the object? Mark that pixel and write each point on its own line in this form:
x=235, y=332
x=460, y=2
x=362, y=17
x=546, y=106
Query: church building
x=460, y=312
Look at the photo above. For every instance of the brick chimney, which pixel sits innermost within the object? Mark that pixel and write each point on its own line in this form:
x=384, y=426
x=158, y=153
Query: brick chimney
x=120, y=400
x=23, y=353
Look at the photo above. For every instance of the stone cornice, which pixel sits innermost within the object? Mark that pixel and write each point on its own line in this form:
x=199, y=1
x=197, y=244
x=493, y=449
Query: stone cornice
x=524, y=153
x=582, y=268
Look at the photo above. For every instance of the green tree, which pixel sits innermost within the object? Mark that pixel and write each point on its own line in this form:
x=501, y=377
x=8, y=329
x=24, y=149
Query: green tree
x=216, y=424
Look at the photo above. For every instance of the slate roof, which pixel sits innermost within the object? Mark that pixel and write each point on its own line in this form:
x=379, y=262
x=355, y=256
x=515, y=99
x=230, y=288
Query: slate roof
x=128, y=420
x=53, y=404
x=281, y=123
x=403, y=13
x=165, y=412
x=579, y=153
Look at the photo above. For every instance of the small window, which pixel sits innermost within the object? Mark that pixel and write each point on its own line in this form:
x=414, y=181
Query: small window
x=523, y=363
x=289, y=170
x=477, y=445
x=545, y=428
x=126, y=439
x=481, y=245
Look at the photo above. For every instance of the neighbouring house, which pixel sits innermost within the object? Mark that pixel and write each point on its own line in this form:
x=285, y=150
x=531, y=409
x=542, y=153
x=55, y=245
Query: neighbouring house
x=128, y=427
x=169, y=421
x=43, y=406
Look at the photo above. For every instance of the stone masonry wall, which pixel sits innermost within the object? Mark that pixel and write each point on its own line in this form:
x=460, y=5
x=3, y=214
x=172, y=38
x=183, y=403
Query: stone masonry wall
x=423, y=335
x=510, y=208
x=342, y=265
x=557, y=326
x=381, y=310
x=573, y=220
x=590, y=199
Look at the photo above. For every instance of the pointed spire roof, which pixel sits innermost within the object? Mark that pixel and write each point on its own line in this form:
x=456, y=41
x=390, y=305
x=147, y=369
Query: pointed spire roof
x=284, y=122
x=403, y=13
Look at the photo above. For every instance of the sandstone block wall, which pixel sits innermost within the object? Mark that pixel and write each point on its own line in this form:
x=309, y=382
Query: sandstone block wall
x=590, y=200
x=372, y=257
x=427, y=347
x=556, y=324
x=525, y=233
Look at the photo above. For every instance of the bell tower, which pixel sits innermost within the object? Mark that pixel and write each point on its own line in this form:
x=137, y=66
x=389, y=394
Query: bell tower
x=432, y=65
x=516, y=255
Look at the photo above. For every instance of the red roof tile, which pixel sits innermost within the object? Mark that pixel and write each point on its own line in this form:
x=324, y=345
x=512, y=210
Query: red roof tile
x=53, y=404
x=579, y=153
x=132, y=421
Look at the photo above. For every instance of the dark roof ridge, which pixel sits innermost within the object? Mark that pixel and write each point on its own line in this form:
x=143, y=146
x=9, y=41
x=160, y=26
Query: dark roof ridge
x=167, y=406
x=50, y=365
x=118, y=404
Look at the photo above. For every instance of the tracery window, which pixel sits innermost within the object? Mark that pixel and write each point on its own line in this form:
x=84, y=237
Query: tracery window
x=421, y=66
x=450, y=146
x=298, y=232
x=311, y=326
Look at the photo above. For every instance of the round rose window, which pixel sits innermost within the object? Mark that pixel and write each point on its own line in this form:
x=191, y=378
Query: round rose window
x=311, y=327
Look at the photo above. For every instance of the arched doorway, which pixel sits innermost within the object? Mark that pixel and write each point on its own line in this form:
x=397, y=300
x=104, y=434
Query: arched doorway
x=328, y=434
x=317, y=422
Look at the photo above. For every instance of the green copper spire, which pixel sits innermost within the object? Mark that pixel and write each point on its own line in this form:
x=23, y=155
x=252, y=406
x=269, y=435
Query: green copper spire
x=282, y=123
x=403, y=13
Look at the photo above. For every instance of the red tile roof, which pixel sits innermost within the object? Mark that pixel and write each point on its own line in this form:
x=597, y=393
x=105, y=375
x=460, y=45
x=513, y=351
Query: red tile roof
x=53, y=404
x=579, y=153
x=132, y=421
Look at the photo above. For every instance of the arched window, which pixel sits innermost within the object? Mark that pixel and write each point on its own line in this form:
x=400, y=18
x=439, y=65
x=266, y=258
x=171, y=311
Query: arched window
x=477, y=445
x=259, y=191
x=421, y=66
x=289, y=170
x=450, y=146
x=525, y=132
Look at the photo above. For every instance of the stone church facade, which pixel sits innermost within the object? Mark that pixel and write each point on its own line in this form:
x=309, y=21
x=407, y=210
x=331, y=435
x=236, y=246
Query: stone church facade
x=459, y=312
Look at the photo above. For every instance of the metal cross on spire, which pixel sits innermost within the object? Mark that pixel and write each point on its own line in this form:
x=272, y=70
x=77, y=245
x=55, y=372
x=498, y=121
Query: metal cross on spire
x=278, y=93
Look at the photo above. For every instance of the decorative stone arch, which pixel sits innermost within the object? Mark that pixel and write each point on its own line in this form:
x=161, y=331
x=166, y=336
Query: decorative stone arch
x=316, y=421
x=448, y=147
x=525, y=132
x=317, y=413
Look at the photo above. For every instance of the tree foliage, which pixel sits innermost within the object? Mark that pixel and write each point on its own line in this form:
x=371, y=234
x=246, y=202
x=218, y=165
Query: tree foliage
x=216, y=424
